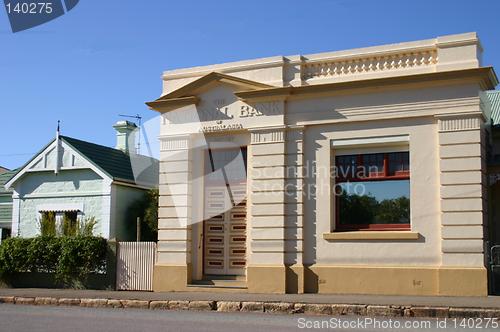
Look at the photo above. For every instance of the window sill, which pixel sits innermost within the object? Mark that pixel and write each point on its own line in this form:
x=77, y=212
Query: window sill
x=372, y=235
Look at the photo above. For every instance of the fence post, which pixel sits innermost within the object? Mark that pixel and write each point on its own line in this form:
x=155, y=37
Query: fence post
x=138, y=229
x=111, y=262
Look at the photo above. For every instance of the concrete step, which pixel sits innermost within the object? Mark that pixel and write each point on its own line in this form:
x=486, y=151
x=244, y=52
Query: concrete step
x=220, y=282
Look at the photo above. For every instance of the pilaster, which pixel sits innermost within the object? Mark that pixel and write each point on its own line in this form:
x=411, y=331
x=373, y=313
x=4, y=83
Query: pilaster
x=267, y=171
x=462, y=190
x=294, y=209
x=174, y=213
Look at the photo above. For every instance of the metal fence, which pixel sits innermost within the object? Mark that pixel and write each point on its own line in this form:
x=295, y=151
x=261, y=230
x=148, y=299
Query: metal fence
x=494, y=264
x=135, y=262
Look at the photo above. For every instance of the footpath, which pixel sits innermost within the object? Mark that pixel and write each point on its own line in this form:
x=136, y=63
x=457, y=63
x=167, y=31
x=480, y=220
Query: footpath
x=311, y=304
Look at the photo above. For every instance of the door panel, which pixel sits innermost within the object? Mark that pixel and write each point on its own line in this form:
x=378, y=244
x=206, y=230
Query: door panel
x=238, y=239
x=214, y=231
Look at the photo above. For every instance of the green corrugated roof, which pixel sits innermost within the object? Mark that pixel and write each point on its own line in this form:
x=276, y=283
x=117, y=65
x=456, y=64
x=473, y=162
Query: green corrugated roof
x=494, y=98
x=4, y=177
x=112, y=161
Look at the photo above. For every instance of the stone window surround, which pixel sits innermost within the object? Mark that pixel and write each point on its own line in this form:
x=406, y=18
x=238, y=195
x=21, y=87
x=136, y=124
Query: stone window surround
x=370, y=145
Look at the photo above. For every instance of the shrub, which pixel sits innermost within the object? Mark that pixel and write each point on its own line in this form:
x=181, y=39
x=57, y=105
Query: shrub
x=80, y=256
x=48, y=224
x=151, y=209
x=43, y=254
x=146, y=208
x=14, y=255
x=69, y=224
x=86, y=226
x=71, y=259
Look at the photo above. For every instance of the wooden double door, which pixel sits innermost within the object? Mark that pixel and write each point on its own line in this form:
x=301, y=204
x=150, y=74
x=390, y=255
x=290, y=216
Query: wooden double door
x=225, y=224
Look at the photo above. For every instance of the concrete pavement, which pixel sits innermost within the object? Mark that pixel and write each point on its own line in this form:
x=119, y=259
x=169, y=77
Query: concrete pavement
x=435, y=301
x=313, y=304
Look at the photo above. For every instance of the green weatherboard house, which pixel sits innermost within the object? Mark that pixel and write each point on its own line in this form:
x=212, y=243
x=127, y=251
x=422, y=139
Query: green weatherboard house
x=78, y=180
x=5, y=203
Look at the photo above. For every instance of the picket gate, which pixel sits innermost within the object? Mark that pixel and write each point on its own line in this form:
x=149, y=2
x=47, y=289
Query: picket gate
x=134, y=266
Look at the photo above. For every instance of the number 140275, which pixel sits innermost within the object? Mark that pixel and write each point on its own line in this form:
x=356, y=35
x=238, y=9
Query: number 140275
x=29, y=8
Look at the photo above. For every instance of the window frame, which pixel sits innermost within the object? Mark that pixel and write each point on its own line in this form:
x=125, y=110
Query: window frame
x=401, y=175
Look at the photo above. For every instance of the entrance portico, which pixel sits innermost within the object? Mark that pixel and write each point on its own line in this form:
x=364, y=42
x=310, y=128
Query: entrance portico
x=218, y=155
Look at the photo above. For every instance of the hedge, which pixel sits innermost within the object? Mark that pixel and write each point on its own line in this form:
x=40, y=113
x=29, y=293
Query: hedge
x=70, y=259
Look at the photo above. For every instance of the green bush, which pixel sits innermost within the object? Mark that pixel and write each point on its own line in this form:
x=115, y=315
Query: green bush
x=69, y=224
x=70, y=259
x=43, y=254
x=80, y=256
x=48, y=224
x=86, y=226
x=14, y=255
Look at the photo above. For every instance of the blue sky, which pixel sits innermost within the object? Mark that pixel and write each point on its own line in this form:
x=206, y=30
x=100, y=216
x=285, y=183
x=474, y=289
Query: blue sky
x=104, y=58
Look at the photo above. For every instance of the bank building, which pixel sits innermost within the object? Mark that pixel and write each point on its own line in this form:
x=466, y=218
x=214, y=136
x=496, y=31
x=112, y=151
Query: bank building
x=351, y=172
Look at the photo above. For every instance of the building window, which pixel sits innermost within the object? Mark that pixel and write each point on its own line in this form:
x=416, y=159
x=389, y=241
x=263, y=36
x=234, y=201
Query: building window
x=54, y=223
x=372, y=191
x=226, y=165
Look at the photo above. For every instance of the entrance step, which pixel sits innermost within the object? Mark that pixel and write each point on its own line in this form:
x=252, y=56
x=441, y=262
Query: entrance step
x=221, y=282
x=212, y=277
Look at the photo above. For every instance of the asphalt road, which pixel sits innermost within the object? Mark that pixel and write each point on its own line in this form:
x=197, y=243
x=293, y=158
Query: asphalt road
x=74, y=319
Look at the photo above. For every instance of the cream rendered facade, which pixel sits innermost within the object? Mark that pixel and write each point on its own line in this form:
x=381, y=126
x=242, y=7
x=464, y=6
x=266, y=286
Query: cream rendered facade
x=297, y=113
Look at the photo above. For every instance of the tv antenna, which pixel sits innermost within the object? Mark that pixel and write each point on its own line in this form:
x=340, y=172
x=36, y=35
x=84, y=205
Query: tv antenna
x=139, y=121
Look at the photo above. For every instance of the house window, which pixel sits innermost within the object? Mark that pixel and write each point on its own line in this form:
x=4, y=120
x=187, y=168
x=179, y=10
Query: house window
x=372, y=191
x=54, y=223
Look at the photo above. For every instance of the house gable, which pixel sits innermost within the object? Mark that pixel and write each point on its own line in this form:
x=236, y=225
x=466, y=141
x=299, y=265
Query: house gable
x=45, y=161
x=69, y=159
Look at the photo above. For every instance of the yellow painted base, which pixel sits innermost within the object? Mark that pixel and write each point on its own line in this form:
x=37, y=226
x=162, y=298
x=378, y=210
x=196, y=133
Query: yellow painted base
x=328, y=279
x=463, y=282
x=266, y=279
x=171, y=278
x=396, y=280
x=295, y=279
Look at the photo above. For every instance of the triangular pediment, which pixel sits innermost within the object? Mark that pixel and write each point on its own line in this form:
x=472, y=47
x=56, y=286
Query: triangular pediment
x=188, y=93
x=46, y=160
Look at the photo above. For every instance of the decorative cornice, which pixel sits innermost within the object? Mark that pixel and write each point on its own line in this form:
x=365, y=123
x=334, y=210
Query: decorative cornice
x=174, y=143
x=167, y=105
x=261, y=136
x=468, y=102
x=264, y=94
x=485, y=76
x=189, y=88
x=459, y=123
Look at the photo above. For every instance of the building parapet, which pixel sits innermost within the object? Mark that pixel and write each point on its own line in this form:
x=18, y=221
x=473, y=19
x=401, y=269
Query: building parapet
x=452, y=52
